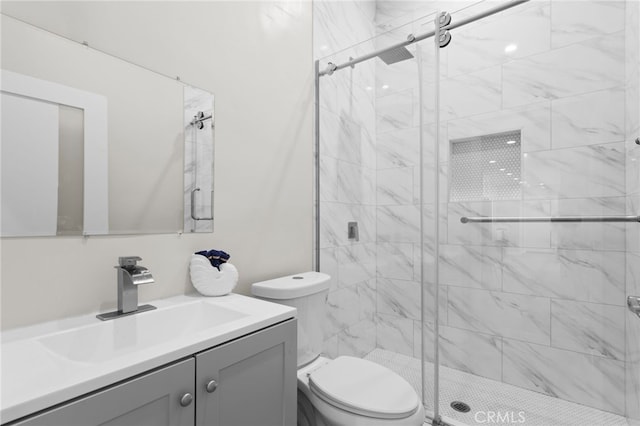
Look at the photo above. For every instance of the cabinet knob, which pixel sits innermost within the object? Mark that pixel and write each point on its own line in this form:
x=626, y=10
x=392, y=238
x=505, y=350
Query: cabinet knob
x=186, y=400
x=211, y=386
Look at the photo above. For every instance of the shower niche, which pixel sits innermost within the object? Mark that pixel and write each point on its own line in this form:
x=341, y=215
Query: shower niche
x=486, y=167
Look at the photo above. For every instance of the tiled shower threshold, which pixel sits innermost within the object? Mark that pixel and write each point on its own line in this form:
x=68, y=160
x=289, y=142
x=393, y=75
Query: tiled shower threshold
x=513, y=404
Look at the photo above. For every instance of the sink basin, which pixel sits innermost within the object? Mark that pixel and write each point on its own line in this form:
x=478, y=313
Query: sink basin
x=74, y=356
x=106, y=341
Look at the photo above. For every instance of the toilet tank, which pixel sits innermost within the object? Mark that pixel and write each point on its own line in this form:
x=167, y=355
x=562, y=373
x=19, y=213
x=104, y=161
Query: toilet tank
x=307, y=292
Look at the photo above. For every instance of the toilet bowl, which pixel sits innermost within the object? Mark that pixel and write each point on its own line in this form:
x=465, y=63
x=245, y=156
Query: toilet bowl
x=355, y=392
x=346, y=391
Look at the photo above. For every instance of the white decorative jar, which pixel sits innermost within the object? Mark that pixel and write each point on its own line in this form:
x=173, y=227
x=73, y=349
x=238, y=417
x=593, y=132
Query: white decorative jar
x=208, y=280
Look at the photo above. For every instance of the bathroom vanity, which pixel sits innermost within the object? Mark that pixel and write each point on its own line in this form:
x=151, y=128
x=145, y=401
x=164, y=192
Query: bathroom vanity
x=193, y=361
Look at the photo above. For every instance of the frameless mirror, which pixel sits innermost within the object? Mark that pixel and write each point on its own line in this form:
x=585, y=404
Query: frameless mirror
x=92, y=144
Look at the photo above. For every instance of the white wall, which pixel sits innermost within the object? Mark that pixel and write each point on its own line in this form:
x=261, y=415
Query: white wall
x=256, y=58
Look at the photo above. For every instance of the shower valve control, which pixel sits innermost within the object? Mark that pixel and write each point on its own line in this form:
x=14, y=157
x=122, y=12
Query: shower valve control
x=352, y=231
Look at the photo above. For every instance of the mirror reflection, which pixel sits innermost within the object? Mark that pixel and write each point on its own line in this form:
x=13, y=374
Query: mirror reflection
x=92, y=144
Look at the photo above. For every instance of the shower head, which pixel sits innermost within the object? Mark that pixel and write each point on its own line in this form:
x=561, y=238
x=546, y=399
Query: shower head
x=395, y=55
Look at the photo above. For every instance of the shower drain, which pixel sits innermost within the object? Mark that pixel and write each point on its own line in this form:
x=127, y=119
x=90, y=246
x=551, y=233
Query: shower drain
x=460, y=406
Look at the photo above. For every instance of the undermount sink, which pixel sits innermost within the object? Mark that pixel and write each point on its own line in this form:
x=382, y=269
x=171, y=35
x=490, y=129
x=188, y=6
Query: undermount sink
x=105, y=341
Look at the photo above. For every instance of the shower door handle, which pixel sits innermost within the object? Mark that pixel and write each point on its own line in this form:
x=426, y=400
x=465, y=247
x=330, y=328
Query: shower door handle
x=193, y=206
x=633, y=302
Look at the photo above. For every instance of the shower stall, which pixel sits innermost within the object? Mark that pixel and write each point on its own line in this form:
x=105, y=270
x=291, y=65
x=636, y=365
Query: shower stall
x=478, y=202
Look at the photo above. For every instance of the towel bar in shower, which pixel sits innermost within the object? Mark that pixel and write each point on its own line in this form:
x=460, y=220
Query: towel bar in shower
x=489, y=219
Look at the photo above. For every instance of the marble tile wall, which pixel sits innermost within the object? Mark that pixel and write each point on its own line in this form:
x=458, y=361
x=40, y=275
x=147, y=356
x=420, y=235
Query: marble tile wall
x=541, y=306
x=348, y=175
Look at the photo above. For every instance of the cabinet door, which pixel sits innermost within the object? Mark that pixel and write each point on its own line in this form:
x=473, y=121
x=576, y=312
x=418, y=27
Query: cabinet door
x=152, y=399
x=255, y=379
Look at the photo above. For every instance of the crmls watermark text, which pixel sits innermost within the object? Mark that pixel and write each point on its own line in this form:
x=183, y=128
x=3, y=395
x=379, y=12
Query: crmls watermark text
x=499, y=417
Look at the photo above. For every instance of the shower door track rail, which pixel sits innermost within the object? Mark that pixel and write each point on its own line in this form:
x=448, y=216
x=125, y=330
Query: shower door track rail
x=414, y=39
x=488, y=219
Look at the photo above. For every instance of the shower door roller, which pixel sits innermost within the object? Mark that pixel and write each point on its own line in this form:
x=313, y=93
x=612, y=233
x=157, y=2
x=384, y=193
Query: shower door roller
x=633, y=302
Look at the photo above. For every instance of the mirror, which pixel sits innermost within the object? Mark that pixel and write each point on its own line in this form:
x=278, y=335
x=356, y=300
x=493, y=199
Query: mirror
x=92, y=144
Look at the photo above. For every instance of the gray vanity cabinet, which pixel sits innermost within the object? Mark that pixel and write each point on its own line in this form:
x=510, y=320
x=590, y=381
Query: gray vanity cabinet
x=152, y=399
x=250, y=381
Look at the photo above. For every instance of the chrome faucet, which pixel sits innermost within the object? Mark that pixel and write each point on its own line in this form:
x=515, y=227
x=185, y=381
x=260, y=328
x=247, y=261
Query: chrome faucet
x=130, y=276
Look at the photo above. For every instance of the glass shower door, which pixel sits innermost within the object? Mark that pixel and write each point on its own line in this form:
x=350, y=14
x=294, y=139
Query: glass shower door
x=538, y=114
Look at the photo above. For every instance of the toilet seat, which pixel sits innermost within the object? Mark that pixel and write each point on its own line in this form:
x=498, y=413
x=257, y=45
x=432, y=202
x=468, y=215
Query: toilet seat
x=364, y=388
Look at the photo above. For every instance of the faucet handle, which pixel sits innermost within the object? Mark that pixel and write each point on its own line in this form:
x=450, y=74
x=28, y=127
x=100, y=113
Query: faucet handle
x=128, y=261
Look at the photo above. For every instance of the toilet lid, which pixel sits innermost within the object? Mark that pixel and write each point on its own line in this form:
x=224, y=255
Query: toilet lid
x=363, y=387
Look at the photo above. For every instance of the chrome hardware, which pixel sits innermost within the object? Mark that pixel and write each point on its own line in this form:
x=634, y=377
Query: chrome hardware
x=444, y=37
x=211, y=386
x=419, y=37
x=200, y=118
x=118, y=314
x=352, y=231
x=130, y=276
x=331, y=67
x=186, y=400
x=445, y=19
x=488, y=219
x=128, y=261
x=193, y=206
x=633, y=302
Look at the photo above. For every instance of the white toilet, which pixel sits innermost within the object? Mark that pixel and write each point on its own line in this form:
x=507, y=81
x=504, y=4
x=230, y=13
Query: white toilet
x=346, y=391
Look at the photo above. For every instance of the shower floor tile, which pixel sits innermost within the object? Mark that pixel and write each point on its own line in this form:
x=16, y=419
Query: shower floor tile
x=485, y=396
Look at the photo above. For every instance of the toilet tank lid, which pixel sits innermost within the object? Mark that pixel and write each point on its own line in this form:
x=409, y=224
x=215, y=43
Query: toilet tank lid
x=292, y=286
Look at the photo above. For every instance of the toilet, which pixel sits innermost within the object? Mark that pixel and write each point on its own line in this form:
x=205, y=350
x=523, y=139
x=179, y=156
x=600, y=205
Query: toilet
x=345, y=391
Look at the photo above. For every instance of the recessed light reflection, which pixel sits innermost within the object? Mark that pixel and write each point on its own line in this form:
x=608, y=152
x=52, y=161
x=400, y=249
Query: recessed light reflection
x=510, y=142
x=503, y=169
x=368, y=88
x=492, y=161
x=509, y=174
x=385, y=86
x=510, y=48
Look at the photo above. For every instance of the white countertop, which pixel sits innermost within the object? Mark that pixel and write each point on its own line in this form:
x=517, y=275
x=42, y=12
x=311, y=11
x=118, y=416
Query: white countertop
x=52, y=362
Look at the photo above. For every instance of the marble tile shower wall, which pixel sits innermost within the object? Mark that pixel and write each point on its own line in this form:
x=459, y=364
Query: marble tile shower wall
x=632, y=73
x=541, y=306
x=347, y=173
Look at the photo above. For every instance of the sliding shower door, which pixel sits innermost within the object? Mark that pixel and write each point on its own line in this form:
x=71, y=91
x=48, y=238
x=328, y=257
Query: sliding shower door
x=508, y=154
x=370, y=151
x=405, y=207
x=538, y=116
